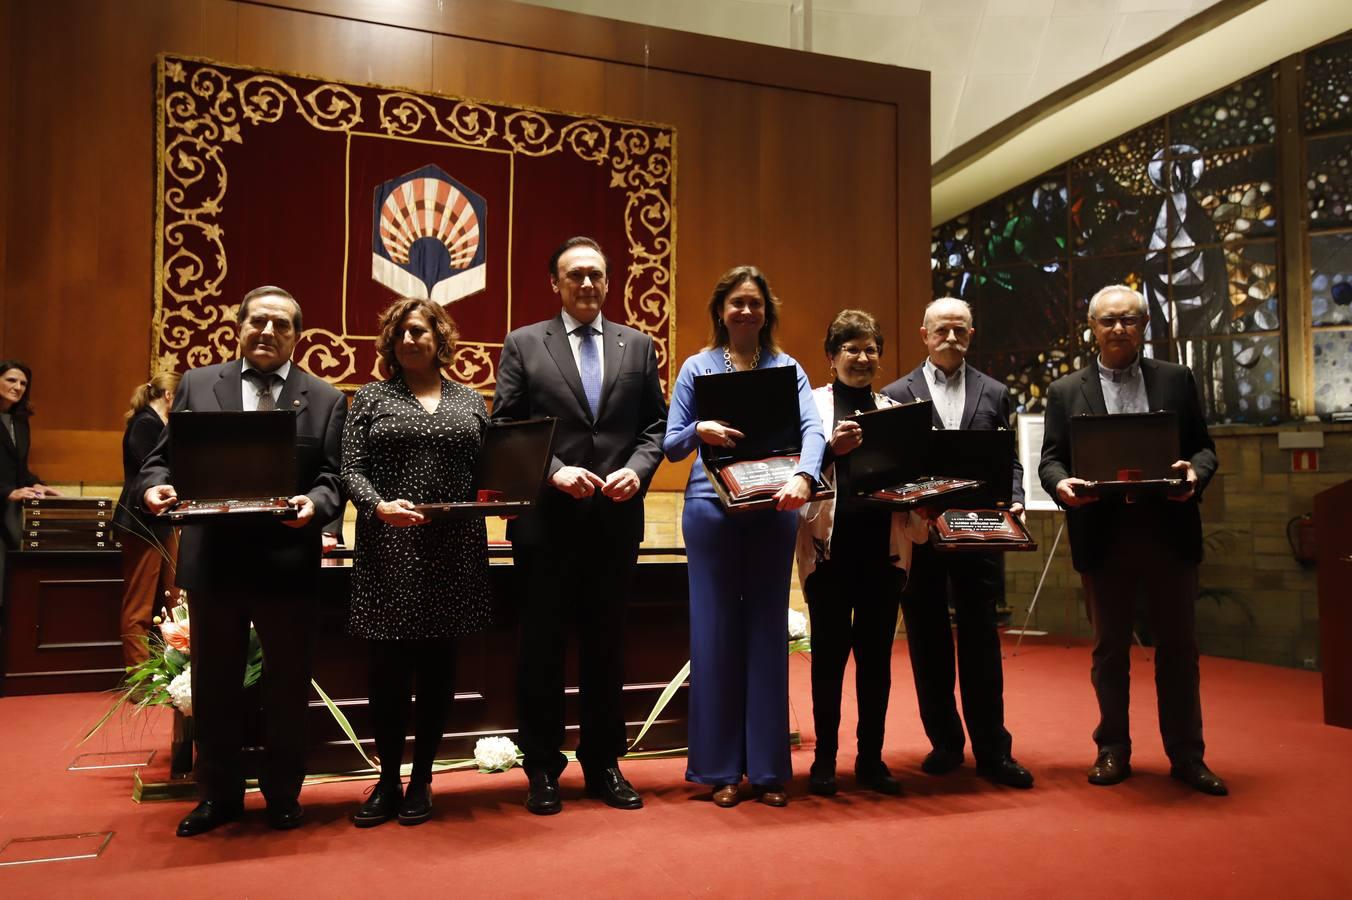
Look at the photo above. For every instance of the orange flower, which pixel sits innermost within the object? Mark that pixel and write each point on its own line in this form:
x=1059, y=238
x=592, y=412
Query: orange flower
x=175, y=634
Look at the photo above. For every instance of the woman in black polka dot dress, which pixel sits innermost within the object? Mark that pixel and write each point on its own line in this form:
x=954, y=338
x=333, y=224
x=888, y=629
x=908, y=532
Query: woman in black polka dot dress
x=417, y=584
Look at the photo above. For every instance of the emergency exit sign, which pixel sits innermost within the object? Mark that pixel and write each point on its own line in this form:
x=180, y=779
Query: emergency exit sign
x=1305, y=460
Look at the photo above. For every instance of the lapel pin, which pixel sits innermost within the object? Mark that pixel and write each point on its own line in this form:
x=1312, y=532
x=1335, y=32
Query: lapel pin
x=621, y=343
x=295, y=403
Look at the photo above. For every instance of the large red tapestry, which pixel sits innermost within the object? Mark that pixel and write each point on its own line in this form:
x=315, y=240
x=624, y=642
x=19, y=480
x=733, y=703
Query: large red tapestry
x=350, y=195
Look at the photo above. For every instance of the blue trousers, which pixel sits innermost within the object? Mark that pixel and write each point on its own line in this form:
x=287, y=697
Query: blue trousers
x=739, y=569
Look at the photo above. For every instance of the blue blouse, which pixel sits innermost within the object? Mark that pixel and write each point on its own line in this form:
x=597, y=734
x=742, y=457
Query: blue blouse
x=681, y=439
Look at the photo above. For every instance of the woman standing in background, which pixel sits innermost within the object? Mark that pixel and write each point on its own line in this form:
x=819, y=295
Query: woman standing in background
x=149, y=548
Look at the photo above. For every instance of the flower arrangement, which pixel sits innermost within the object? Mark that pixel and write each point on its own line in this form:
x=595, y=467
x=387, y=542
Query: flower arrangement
x=495, y=754
x=165, y=677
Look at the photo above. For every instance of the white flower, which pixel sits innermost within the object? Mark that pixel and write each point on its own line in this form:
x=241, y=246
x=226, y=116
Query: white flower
x=180, y=691
x=495, y=754
x=797, y=625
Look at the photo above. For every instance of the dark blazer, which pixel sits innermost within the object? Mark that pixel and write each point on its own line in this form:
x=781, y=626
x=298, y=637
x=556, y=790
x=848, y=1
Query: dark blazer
x=267, y=555
x=143, y=432
x=14, y=473
x=537, y=376
x=986, y=406
x=1093, y=527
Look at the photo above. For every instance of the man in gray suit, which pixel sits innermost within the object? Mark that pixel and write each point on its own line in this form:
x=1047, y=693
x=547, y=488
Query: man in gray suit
x=575, y=551
x=968, y=399
x=251, y=571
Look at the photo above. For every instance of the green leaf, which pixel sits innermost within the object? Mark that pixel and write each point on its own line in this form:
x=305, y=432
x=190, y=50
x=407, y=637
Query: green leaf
x=662, y=700
x=343, y=723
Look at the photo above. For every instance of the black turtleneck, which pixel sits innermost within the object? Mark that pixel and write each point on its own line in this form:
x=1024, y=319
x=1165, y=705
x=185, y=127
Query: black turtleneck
x=859, y=536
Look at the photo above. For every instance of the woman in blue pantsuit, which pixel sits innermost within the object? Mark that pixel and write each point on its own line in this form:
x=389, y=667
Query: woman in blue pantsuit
x=740, y=564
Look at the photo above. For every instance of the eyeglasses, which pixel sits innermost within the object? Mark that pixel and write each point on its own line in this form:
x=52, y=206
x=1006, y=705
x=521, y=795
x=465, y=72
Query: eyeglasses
x=870, y=352
x=577, y=276
x=1111, y=322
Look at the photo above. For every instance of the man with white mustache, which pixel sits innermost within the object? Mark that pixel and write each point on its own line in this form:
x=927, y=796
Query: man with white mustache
x=963, y=398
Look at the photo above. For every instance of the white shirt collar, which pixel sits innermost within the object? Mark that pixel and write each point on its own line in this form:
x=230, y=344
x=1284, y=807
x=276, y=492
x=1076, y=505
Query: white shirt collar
x=938, y=376
x=283, y=370
x=570, y=324
x=1126, y=373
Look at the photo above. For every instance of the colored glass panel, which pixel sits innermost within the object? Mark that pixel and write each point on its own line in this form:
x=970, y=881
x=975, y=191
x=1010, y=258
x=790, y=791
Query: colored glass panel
x=1027, y=224
x=1332, y=371
x=1329, y=181
x=1240, y=379
x=1237, y=116
x=1326, y=98
x=1331, y=279
x=1022, y=307
x=953, y=244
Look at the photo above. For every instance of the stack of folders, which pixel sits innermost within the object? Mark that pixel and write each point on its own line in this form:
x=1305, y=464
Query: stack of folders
x=68, y=523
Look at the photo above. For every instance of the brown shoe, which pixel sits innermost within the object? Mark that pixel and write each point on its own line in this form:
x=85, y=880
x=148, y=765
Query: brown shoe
x=1111, y=767
x=726, y=796
x=772, y=794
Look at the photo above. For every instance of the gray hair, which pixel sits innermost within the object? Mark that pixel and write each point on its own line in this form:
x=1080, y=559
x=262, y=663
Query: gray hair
x=1141, y=308
x=966, y=308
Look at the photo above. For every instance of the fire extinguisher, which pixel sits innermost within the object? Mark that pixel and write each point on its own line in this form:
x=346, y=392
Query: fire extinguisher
x=1300, y=535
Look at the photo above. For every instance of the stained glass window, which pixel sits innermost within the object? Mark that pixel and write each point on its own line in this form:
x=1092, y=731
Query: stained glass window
x=1090, y=274
x=1025, y=225
x=953, y=283
x=1331, y=278
x=953, y=244
x=1113, y=210
x=1022, y=307
x=1327, y=98
x=1329, y=181
x=1240, y=379
x=1332, y=371
x=1237, y=116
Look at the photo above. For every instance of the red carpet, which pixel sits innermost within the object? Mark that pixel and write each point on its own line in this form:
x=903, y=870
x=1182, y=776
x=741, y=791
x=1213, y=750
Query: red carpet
x=1285, y=830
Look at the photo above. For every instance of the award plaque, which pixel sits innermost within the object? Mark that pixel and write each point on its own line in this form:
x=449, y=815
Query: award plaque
x=981, y=530
x=510, y=474
x=758, y=477
x=763, y=405
x=923, y=492
x=1127, y=456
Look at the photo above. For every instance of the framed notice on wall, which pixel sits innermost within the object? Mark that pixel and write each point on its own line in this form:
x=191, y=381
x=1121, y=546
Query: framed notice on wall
x=1029, y=426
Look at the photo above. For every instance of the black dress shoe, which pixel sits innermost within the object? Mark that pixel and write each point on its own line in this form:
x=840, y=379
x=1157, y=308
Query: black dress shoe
x=1195, y=774
x=542, y=797
x=1006, y=771
x=1111, y=767
x=940, y=761
x=821, y=780
x=417, y=805
x=612, y=787
x=206, y=816
x=381, y=806
x=876, y=777
x=286, y=816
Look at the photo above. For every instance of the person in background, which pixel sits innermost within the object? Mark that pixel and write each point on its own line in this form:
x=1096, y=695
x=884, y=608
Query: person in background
x=852, y=563
x=740, y=563
x=17, y=482
x=417, y=584
x=149, y=548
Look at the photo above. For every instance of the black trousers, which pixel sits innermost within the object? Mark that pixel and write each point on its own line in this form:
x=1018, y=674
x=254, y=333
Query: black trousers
x=974, y=581
x=220, y=646
x=395, y=666
x=1138, y=564
x=588, y=590
x=852, y=608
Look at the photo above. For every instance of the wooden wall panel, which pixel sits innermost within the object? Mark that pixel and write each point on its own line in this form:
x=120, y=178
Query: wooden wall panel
x=814, y=168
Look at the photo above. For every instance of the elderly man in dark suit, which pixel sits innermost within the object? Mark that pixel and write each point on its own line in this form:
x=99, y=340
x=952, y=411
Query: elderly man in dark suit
x=963, y=398
x=1150, y=548
x=255, y=571
x=576, y=550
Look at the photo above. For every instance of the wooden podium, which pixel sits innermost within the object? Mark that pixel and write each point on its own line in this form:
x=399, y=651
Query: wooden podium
x=1333, y=537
